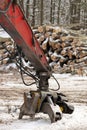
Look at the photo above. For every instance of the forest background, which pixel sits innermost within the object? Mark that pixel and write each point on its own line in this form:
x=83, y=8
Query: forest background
x=56, y=12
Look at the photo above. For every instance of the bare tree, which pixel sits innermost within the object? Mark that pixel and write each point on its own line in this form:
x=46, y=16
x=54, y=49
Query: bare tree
x=27, y=10
x=33, y=13
x=41, y=13
x=58, y=19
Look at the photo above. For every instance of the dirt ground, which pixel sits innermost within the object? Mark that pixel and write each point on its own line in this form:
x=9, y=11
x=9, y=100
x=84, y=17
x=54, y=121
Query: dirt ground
x=11, y=98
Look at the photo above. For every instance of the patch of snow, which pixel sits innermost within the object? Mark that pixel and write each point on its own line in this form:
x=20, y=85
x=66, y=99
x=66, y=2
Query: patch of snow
x=75, y=121
x=3, y=33
x=8, y=67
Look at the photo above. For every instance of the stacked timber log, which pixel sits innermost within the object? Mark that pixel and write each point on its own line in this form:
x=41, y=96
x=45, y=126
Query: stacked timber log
x=6, y=50
x=65, y=53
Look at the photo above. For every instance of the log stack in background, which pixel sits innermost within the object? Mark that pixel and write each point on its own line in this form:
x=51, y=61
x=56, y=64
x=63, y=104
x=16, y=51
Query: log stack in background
x=65, y=53
x=6, y=50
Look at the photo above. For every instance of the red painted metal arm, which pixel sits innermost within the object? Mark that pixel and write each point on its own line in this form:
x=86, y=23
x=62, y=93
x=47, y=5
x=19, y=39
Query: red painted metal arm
x=13, y=21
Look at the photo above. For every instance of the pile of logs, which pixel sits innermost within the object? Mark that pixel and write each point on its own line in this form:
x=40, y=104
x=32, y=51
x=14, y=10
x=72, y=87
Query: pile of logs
x=64, y=53
x=6, y=50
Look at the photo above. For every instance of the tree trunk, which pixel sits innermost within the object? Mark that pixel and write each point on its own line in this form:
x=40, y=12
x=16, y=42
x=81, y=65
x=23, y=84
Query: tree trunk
x=27, y=9
x=33, y=17
x=41, y=13
x=58, y=19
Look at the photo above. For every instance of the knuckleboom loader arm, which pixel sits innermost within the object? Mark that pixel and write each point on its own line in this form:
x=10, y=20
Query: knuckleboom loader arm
x=13, y=21
x=43, y=100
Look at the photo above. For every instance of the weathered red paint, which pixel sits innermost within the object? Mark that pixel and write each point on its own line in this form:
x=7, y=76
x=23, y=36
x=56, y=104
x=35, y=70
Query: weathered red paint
x=14, y=22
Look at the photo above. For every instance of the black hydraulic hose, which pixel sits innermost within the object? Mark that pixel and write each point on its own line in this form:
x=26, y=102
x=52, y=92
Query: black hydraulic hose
x=28, y=73
x=57, y=84
x=22, y=69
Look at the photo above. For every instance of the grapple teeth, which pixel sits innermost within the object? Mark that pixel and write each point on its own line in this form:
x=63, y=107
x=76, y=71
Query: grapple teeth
x=30, y=104
x=63, y=103
x=54, y=112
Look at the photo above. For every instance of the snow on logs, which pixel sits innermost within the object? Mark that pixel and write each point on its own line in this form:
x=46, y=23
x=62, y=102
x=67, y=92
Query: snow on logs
x=64, y=52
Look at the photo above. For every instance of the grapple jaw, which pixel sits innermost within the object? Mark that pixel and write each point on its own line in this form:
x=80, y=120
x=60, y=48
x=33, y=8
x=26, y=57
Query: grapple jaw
x=62, y=102
x=50, y=103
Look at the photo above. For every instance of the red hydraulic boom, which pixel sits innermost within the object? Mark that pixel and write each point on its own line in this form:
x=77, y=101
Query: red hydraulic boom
x=13, y=21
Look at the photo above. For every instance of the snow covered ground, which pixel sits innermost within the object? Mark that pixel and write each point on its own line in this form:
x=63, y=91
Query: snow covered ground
x=11, y=90
x=76, y=121
x=3, y=33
